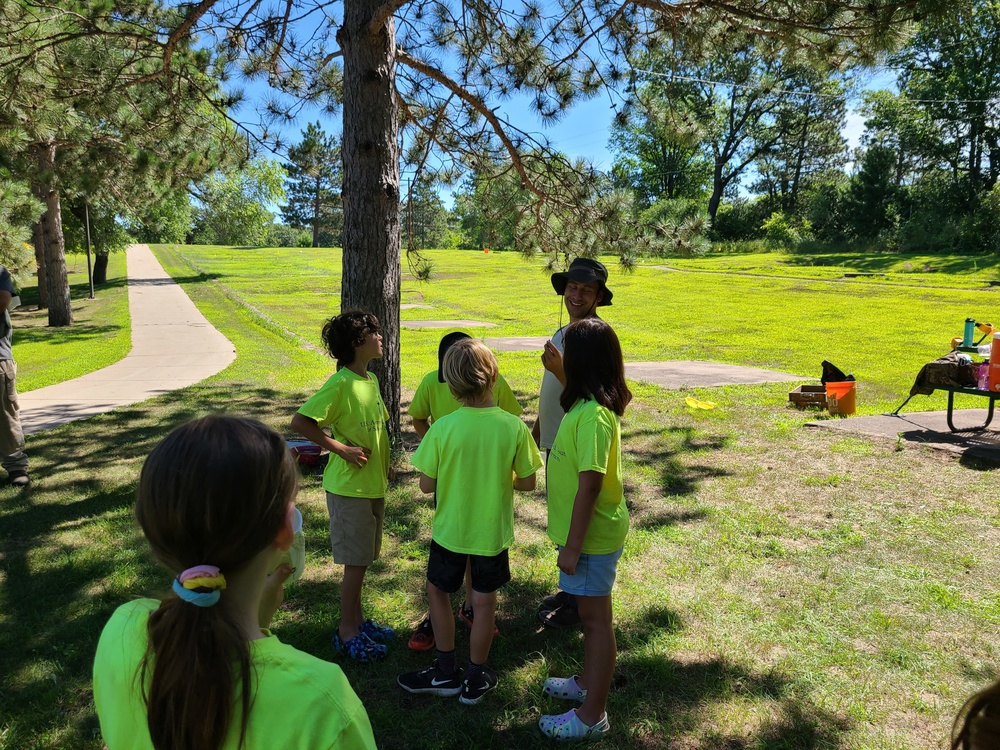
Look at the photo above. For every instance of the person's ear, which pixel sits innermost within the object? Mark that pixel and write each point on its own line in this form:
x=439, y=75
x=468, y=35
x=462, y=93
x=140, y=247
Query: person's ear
x=600, y=297
x=286, y=534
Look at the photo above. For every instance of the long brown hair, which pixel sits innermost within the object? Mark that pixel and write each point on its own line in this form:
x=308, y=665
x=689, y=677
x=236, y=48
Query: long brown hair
x=593, y=364
x=977, y=726
x=215, y=491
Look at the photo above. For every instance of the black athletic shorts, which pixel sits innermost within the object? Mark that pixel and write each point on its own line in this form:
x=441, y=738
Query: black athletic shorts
x=446, y=570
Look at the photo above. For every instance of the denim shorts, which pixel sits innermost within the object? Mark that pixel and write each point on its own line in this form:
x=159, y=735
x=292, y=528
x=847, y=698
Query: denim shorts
x=595, y=575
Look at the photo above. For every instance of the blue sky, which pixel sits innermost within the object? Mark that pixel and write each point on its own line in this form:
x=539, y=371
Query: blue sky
x=582, y=132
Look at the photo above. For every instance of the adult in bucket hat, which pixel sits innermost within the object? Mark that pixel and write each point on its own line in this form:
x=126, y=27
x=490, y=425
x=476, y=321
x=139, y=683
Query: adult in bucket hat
x=585, y=271
x=584, y=288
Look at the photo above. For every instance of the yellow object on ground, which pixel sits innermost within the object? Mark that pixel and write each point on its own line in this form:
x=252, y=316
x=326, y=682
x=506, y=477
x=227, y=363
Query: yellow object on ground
x=696, y=404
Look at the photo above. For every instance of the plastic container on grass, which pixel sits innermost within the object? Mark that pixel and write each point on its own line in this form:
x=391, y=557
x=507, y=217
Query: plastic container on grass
x=841, y=397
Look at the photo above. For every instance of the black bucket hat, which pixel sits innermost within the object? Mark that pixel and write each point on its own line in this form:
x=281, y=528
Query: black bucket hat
x=446, y=343
x=584, y=270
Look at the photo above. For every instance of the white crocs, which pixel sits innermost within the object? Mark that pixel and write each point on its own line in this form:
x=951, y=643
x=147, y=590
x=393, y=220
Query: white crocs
x=567, y=727
x=564, y=688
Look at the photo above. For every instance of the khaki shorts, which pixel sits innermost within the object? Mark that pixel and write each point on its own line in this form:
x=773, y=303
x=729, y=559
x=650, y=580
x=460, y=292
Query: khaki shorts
x=355, y=528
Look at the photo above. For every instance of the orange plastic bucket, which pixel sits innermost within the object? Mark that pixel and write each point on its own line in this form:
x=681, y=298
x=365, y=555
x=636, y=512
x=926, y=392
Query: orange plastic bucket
x=841, y=397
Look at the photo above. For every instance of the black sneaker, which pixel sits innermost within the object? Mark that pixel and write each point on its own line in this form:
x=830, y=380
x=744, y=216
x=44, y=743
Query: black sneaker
x=474, y=688
x=432, y=681
x=554, y=601
x=19, y=478
x=560, y=617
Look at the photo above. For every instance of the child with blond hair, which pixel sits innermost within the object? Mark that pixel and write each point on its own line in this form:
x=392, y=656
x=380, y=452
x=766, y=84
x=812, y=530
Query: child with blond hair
x=473, y=458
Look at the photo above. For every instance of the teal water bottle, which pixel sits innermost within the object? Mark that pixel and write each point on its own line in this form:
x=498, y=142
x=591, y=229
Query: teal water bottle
x=970, y=331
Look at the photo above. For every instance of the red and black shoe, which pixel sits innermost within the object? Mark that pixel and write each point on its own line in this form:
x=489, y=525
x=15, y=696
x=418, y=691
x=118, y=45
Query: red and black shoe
x=423, y=637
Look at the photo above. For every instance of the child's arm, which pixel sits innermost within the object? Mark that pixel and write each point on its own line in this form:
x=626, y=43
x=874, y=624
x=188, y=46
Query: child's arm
x=525, y=484
x=427, y=484
x=420, y=426
x=308, y=429
x=587, y=490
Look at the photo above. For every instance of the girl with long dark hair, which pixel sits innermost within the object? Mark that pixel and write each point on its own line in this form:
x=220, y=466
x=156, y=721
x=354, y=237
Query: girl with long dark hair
x=199, y=670
x=588, y=519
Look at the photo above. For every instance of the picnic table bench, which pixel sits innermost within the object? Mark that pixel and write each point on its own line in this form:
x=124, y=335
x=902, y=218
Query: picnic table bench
x=972, y=392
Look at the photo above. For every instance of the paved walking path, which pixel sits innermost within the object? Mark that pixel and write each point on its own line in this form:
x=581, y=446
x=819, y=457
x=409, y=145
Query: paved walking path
x=173, y=346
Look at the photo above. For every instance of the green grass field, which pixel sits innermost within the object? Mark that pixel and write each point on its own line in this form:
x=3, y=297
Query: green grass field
x=781, y=587
x=51, y=355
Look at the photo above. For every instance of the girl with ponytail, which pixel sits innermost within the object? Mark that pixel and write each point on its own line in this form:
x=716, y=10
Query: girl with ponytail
x=199, y=670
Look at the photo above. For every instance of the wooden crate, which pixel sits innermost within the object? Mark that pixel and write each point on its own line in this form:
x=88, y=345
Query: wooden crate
x=808, y=395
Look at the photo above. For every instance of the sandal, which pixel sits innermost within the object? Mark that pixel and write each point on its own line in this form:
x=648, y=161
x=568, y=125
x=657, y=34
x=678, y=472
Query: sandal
x=568, y=727
x=376, y=632
x=564, y=688
x=360, y=648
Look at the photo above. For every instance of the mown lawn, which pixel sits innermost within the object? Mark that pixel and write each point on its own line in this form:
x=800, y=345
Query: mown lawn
x=781, y=587
x=100, y=334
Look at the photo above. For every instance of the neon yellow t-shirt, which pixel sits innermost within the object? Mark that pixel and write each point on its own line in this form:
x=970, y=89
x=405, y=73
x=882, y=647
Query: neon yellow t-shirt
x=589, y=439
x=299, y=702
x=352, y=407
x=471, y=453
x=433, y=399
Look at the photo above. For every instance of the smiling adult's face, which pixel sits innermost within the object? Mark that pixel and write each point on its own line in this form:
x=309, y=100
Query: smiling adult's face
x=582, y=298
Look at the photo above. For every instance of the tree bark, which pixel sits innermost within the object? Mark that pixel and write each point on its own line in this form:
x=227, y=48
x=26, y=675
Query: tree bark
x=100, y=268
x=316, y=194
x=718, y=186
x=371, y=272
x=39, y=239
x=57, y=281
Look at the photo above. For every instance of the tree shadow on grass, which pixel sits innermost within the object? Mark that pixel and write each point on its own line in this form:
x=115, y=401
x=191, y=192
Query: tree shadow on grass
x=69, y=554
x=192, y=279
x=669, y=450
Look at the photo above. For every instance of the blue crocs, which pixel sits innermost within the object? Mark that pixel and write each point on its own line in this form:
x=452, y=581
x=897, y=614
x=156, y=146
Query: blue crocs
x=378, y=633
x=360, y=648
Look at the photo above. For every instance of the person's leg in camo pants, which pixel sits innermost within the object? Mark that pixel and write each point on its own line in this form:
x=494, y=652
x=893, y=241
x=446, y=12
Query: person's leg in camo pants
x=12, y=456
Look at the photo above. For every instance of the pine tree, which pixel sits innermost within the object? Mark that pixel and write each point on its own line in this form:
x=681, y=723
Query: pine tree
x=441, y=70
x=312, y=188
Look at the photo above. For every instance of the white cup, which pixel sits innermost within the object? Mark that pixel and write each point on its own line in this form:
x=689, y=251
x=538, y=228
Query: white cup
x=296, y=554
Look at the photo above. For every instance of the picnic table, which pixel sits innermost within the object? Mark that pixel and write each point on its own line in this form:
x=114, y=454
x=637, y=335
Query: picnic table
x=950, y=375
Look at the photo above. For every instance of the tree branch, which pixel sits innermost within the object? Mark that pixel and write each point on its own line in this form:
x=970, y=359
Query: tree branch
x=383, y=14
x=480, y=106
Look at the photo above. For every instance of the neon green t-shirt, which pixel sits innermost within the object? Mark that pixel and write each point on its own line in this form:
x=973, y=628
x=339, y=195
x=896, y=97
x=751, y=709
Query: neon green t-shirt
x=433, y=399
x=589, y=439
x=471, y=453
x=300, y=702
x=352, y=407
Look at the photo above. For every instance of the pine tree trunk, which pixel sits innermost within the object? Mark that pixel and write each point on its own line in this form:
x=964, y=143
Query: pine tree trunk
x=371, y=274
x=100, y=268
x=718, y=186
x=316, y=190
x=39, y=239
x=57, y=281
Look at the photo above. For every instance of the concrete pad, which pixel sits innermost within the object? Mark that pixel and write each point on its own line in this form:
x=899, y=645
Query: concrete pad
x=928, y=428
x=517, y=343
x=446, y=324
x=697, y=374
x=409, y=306
x=173, y=346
